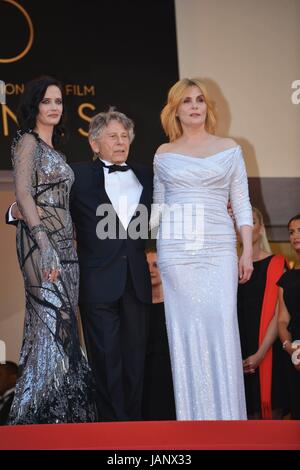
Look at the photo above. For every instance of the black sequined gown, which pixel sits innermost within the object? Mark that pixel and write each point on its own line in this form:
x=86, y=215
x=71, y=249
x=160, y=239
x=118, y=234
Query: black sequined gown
x=55, y=383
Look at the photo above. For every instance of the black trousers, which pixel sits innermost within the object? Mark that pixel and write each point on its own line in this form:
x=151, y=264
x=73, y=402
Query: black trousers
x=158, y=394
x=115, y=337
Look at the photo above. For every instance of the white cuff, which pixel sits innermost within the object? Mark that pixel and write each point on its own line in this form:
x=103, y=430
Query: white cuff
x=10, y=217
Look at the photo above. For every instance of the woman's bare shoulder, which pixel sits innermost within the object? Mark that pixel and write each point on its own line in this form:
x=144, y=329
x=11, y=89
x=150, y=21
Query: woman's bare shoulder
x=167, y=147
x=225, y=142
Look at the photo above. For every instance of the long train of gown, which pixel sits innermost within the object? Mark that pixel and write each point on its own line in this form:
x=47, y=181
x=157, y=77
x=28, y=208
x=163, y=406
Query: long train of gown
x=200, y=277
x=55, y=383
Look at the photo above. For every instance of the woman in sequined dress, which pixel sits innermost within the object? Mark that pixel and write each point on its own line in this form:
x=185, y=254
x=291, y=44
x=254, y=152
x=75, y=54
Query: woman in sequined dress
x=55, y=383
x=195, y=175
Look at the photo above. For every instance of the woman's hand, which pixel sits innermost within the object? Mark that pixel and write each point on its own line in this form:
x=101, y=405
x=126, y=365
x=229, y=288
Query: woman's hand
x=15, y=212
x=252, y=362
x=50, y=264
x=245, y=268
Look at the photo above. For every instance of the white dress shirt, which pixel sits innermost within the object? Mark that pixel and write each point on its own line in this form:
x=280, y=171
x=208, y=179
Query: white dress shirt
x=124, y=191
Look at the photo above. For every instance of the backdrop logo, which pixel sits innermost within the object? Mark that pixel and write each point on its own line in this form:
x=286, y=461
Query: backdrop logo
x=23, y=52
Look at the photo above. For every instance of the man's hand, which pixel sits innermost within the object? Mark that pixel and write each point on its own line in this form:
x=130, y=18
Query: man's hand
x=230, y=211
x=15, y=212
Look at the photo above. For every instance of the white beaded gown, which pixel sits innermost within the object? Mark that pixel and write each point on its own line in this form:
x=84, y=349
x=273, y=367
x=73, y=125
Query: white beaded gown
x=199, y=268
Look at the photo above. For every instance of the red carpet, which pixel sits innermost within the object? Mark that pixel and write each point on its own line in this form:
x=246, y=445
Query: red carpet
x=163, y=435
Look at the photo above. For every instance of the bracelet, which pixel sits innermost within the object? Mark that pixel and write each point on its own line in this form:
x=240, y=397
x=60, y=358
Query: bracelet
x=37, y=228
x=284, y=344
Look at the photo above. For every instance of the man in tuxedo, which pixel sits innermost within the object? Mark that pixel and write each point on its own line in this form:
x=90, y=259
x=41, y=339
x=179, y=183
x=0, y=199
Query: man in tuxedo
x=8, y=378
x=115, y=285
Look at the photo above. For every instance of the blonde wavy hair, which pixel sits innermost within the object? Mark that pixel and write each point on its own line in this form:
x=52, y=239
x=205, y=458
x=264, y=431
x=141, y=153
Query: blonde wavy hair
x=264, y=243
x=170, y=123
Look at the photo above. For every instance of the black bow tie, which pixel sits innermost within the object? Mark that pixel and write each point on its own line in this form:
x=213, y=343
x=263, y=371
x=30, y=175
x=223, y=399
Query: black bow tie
x=112, y=168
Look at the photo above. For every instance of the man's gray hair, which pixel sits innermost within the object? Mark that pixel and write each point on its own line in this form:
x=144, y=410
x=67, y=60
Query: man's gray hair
x=101, y=120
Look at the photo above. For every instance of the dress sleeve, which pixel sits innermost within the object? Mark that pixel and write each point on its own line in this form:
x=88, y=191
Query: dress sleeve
x=24, y=153
x=281, y=281
x=239, y=193
x=158, y=198
x=24, y=159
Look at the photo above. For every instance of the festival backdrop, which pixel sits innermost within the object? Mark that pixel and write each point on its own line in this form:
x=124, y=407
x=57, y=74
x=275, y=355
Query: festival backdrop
x=119, y=53
x=127, y=53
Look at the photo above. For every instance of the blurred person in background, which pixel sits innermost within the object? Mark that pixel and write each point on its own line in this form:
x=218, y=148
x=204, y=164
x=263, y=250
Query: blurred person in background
x=8, y=378
x=263, y=360
x=289, y=318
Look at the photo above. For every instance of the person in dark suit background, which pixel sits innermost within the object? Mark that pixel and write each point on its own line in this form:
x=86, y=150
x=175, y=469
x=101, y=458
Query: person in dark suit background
x=115, y=286
x=8, y=378
x=158, y=395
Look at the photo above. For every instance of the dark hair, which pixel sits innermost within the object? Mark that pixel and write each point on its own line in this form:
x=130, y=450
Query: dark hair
x=28, y=110
x=11, y=367
x=296, y=217
x=150, y=246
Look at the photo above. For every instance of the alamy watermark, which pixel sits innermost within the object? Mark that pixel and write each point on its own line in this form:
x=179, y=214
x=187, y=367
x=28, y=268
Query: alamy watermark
x=295, y=97
x=2, y=352
x=2, y=92
x=296, y=353
x=175, y=222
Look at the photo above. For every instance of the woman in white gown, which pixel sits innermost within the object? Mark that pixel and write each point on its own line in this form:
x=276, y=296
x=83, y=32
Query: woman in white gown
x=195, y=175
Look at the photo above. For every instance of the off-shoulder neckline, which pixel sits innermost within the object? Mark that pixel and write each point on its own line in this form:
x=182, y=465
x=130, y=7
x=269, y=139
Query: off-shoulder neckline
x=197, y=157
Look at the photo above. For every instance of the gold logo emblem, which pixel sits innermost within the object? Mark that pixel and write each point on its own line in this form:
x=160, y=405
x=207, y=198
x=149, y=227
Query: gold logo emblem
x=30, y=39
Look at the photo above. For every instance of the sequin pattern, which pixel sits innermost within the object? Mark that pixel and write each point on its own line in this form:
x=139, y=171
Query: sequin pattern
x=200, y=282
x=55, y=383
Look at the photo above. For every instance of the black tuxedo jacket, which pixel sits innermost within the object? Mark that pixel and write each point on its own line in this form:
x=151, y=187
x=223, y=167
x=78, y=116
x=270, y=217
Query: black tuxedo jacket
x=4, y=412
x=104, y=263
